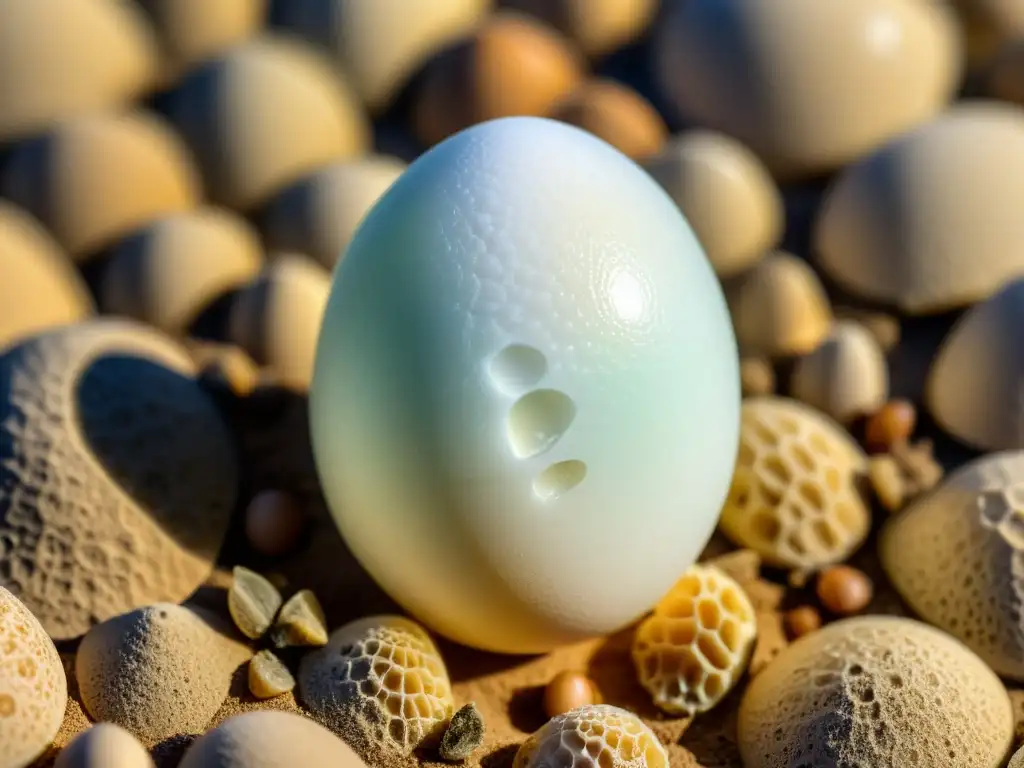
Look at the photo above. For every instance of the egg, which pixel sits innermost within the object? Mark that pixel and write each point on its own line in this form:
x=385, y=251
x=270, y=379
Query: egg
x=809, y=86
x=525, y=403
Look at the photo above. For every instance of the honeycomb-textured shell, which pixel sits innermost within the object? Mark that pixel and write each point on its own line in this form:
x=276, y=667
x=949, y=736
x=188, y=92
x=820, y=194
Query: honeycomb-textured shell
x=795, y=497
x=875, y=691
x=270, y=739
x=846, y=377
x=99, y=424
x=97, y=178
x=172, y=270
x=597, y=736
x=957, y=557
x=276, y=317
x=33, y=689
x=104, y=745
x=381, y=684
x=895, y=227
x=318, y=215
x=263, y=115
x=781, y=308
x=975, y=388
x=40, y=287
x=692, y=650
x=158, y=671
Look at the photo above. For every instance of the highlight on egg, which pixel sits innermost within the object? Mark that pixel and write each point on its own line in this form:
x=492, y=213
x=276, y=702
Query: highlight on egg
x=525, y=402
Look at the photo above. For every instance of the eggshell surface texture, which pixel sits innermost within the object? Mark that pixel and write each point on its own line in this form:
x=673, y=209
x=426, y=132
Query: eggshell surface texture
x=525, y=405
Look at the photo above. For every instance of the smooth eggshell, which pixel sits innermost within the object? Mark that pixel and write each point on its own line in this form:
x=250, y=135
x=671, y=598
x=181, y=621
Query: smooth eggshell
x=319, y=213
x=726, y=194
x=525, y=356
x=40, y=287
x=808, y=85
x=63, y=58
x=104, y=745
x=172, y=270
x=95, y=179
x=276, y=317
x=380, y=44
x=975, y=385
x=264, y=115
x=780, y=308
x=597, y=27
x=512, y=66
x=846, y=376
x=270, y=739
x=192, y=31
x=931, y=222
x=616, y=113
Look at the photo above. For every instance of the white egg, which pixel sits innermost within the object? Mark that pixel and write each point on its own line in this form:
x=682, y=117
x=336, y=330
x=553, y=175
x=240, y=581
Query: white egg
x=525, y=407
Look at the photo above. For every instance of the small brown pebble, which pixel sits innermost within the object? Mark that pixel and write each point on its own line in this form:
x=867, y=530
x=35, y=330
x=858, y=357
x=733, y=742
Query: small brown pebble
x=801, y=621
x=268, y=676
x=253, y=602
x=893, y=423
x=568, y=690
x=464, y=735
x=274, y=521
x=757, y=377
x=844, y=590
x=301, y=622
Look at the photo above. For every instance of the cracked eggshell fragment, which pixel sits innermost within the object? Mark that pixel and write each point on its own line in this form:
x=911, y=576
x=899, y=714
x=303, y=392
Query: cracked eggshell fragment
x=846, y=376
x=931, y=222
x=957, y=557
x=975, y=388
x=726, y=194
x=500, y=371
x=809, y=86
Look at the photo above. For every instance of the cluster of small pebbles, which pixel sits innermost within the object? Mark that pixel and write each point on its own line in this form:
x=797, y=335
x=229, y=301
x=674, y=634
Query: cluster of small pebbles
x=179, y=179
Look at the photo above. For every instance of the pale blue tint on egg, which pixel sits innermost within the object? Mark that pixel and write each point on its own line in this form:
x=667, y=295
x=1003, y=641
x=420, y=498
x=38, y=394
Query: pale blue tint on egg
x=525, y=408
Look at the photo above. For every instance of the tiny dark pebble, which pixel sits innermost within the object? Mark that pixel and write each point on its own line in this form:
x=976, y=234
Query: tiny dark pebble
x=465, y=733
